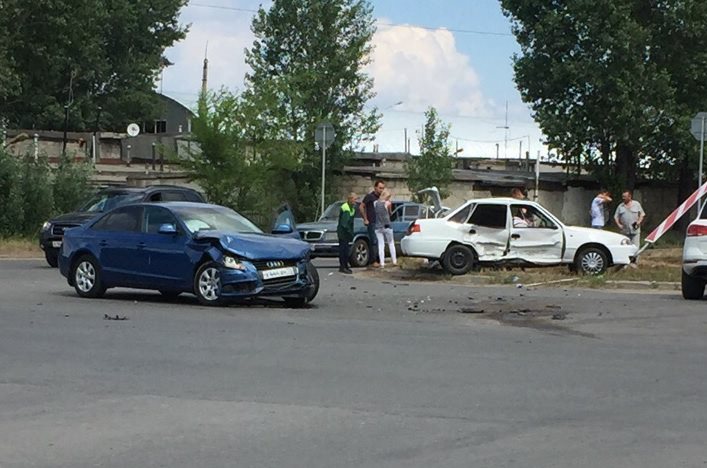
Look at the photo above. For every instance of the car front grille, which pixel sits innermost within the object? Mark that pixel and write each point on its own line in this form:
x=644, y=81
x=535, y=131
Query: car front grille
x=272, y=264
x=312, y=235
x=58, y=229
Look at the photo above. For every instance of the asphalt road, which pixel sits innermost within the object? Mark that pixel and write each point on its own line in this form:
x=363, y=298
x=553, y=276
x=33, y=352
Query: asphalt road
x=375, y=374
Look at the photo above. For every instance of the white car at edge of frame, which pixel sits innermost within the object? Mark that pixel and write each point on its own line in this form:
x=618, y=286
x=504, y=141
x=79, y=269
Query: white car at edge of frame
x=694, y=258
x=506, y=232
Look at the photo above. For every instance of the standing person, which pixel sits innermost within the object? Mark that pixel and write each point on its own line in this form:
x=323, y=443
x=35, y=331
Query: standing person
x=599, y=207
x=345, y=232
x=629, y=217
x=368, y=212
x=384, y=230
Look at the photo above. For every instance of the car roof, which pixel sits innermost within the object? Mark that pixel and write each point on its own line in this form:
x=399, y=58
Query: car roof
x=500, y=200
x=133, y=189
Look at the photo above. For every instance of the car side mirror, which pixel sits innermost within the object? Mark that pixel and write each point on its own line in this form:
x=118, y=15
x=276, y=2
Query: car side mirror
x=167, y=228
x=283, y=229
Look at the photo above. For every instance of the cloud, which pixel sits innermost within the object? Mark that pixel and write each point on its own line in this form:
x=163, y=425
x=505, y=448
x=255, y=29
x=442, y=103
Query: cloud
x=423, y=68
x=227, y=39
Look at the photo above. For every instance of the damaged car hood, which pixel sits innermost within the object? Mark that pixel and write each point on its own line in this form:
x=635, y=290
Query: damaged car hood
x=258, y=246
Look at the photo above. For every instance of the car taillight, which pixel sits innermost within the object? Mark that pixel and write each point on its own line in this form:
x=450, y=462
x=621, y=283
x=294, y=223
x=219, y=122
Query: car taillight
x=414, y=227
x=696, y=230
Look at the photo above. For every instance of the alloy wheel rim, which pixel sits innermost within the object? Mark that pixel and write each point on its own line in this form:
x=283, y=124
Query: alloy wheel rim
x=85, y=276
x=361, y=253
x=210, y=284
x=592, y=262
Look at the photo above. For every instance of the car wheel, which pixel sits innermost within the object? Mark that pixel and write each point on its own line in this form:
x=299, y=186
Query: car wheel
x=591, y=261
x=458, y=259
x=87, y=277
x=360, y=253
x=169, y=294
x=692, y=288
x=52, y=259
x=313, y=276
x=207, y=284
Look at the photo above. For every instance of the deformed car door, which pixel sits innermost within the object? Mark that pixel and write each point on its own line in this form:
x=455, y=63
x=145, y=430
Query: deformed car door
x=168, y=264
x=118, y=240
x=487, y=231
x=535, y=237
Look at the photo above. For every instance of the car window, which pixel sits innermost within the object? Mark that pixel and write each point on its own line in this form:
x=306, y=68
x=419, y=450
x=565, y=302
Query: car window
x=156, y=217
x=172, y=195
x=120, y=220
x=192, y=197
x=396, y=214
x=528, y=216
x=411, y=212
x=106, y=201
x=493, y=216
x=214, y=218
x=461, y=215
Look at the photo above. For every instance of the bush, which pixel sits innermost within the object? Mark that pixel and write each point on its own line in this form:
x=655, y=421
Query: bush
x=32, y=192
x=12, y=211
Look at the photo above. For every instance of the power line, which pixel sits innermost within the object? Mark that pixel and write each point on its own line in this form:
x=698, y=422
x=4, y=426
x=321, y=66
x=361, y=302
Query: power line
x=380, y=23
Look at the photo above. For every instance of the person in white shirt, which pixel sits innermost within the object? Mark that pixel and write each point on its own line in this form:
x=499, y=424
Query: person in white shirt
x=599, y=209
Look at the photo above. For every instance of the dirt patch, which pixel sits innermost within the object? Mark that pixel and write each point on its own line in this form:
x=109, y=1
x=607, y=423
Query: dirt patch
x=19, y=248
x=655, y=266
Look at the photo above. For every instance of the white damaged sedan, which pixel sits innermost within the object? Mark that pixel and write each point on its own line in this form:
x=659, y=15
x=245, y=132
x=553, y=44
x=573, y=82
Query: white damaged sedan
x=506, y=232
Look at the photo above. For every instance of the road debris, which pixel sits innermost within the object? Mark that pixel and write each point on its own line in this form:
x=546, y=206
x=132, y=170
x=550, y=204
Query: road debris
x=116, y=317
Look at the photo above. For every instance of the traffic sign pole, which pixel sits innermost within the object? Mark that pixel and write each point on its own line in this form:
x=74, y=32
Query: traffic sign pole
x=324, y=166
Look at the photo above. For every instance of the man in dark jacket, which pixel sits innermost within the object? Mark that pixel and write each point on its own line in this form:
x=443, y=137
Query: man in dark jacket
x=345, y=232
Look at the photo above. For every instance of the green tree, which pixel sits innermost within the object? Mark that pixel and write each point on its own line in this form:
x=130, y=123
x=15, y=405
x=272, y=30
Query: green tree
x=222, y=164
x=36, y=192
x=307, y=64
x=433, y=167
x=86, y=54
x=586, y=69
x=71, y=184
x=12, y=212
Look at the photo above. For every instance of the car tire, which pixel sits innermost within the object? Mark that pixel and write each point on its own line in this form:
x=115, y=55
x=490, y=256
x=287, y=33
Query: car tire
x=692, y=288
x=313, y=275
x=207, y=284
x=591, y=261
x=171, y=295
x=52, y=259
x=458, y=259
x=86, y=275
x=360, y=253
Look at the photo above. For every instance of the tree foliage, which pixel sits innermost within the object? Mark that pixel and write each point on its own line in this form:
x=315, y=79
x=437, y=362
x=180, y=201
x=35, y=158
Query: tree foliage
x=221, y=163
x=433, y=167
x=84, y=53
x=613, y=83
x=307, y=65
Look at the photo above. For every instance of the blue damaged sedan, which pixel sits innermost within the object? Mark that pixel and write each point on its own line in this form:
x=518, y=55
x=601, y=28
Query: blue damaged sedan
x=180, y=247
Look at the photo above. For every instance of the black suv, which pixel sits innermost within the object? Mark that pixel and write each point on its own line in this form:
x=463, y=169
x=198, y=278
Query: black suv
x=53, y=230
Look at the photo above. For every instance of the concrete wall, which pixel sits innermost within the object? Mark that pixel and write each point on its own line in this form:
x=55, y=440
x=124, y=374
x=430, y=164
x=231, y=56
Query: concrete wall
x=570, y=204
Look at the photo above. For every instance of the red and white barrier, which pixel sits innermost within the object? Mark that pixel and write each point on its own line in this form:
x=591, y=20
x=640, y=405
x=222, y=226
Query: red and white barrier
x=677, y=214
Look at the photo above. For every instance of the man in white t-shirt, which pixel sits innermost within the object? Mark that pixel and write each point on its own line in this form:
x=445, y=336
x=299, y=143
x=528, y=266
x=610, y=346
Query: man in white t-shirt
x=599, y=208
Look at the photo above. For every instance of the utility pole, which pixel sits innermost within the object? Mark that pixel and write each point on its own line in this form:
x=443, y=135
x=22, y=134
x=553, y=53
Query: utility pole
x=505, y=136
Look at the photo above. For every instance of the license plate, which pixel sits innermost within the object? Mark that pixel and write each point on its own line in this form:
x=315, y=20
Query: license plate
x=56, y=244
x=279, y=273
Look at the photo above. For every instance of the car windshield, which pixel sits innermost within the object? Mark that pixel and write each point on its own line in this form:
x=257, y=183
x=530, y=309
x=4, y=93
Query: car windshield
x=212, y=218
x=332, y=212
x=106, y=201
